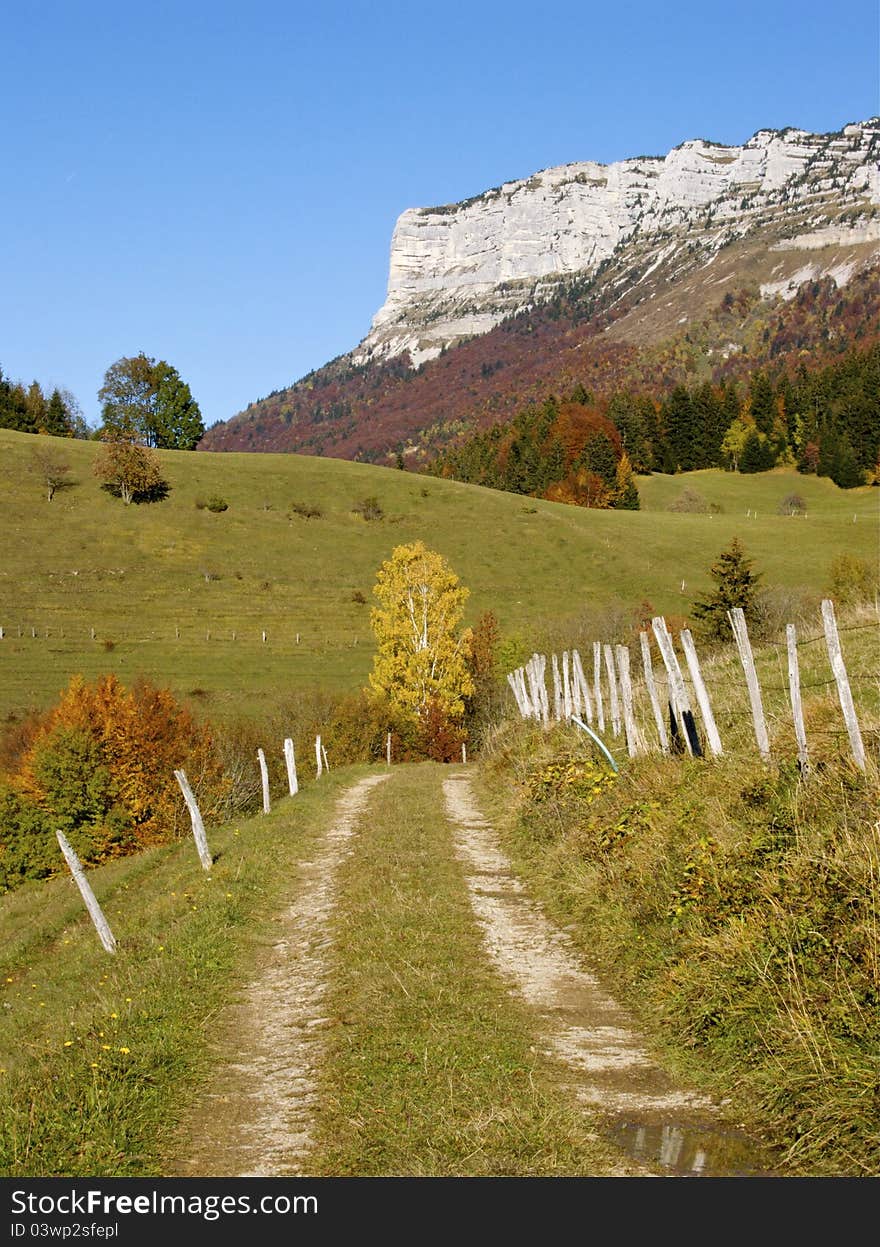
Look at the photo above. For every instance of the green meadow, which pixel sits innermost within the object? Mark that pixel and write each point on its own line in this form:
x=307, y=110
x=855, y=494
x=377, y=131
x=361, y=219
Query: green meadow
x=184, y=595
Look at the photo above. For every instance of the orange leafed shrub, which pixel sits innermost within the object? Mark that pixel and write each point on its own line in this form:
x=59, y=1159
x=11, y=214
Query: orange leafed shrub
x=142, y=735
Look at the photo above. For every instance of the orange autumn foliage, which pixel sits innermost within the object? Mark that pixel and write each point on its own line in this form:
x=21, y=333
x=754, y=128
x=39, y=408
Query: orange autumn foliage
x=141, y=735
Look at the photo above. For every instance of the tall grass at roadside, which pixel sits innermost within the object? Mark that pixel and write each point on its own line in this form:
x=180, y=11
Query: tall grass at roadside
x=734, y=904
x=98, y=1051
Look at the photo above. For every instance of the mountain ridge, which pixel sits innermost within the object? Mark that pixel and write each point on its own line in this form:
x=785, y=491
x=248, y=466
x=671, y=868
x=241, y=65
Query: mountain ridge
x=813, y=213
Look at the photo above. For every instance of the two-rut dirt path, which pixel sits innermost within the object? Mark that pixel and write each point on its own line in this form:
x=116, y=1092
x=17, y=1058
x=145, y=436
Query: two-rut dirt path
x=256, y=1117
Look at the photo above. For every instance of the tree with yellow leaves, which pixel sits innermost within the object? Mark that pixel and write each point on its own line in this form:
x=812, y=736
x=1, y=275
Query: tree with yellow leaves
x=421, y=656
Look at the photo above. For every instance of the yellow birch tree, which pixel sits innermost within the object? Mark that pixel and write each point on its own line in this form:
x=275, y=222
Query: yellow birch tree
x=421, y=656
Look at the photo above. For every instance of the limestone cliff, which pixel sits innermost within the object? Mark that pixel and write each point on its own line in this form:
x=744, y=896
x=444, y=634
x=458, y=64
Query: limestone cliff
x=459, y=269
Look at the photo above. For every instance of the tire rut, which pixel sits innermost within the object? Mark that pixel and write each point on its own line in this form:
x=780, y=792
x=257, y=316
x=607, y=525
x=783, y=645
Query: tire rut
x=255, y=1119
x=608, y=1067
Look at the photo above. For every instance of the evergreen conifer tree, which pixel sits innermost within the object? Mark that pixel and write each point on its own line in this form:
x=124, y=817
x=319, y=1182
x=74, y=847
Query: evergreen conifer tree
x=736, y=584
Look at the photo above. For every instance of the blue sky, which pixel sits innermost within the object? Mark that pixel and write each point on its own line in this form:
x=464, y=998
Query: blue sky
x=216, y=183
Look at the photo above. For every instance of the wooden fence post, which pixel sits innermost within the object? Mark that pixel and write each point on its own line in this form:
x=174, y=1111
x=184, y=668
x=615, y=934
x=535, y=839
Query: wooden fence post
x=319, y=762
x=557, y=689
x=678, y=697
x=794, y=690
x=743, y=644
x=576, y=696
x=652, y=692
x=580, y=681
x=528, y=710
x=832, y=640
x=566, y=687
x=597, y=685
x=612, y=690
x=105, y=935
x=292, y=782
x=634, y=743
x=264, y=776
x=198, y=827
x=388, y=750
x=324, y=755
x=690, y=653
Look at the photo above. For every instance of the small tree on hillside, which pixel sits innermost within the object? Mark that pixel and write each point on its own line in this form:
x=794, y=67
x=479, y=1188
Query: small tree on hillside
x=626, y=496
x=52, y=469
x=130, y=471
x=735, y=585
x=421, y=656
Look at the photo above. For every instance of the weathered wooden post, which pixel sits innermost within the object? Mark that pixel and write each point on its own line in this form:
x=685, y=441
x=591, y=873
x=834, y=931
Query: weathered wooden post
x=794, y=690
x=264, y=775
x=101, y=924
x=557, y=689
x=318, y=760
x=838, y=667
x=634, y=744
x=324, y=755
x=690, y=653
x=528, y=709
x=198, y=827
x=582, y=687
x=612, y=690
x=292, y=782
x=463, y=752
x=652, y=692
x=597, y=685
x=566, y=687
x=678, y=698
x=388, y=750
x=743, y=644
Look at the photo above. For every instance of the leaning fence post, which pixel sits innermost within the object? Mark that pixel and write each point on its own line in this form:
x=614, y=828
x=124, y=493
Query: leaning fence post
x=690, y=653
x=741, y=634
x=521, y=691
x=652, y=692
x=580, y=681
x=597, y=685
x=289, y=758
x=634, y=743
x=198, y=827
x=566, y=687
x=677, y=692
x=794, y=689
x=324, y=755
x=264, y=776
x=832, y=640
x=612, y=690
x=101, y=925
x=557, y=689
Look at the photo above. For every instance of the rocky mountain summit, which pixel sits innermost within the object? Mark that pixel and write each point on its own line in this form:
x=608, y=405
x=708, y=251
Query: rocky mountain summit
x=705, y=263
x=459, y=269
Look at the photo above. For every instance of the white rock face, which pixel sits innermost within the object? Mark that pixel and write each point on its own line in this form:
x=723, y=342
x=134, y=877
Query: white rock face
x=459, y=269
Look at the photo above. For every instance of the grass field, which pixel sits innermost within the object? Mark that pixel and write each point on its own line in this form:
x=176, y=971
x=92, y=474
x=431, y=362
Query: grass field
x=165, y=587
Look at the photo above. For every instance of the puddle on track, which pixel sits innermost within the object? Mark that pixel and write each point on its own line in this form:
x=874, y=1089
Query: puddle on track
x=688, y=1150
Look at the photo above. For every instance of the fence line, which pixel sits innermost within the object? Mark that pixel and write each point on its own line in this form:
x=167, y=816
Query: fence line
x=572, y=694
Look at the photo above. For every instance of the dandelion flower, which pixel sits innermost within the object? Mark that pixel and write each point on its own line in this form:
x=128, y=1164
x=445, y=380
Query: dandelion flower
x=114, y=1015
x=106, y=1047
x=125, y=1050
x=68, y=1043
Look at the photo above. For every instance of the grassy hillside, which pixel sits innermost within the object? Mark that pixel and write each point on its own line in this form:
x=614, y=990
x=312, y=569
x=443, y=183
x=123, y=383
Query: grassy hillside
x=137, y=575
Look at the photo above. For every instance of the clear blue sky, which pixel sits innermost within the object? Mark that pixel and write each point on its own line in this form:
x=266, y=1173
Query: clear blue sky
x=216, y=183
